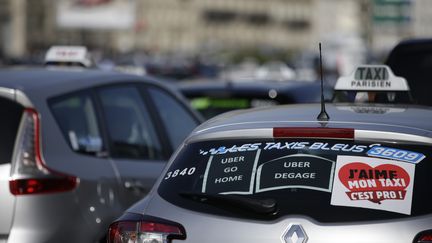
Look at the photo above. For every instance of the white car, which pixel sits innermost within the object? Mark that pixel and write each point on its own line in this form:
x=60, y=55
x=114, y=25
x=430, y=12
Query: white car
x=282, y=175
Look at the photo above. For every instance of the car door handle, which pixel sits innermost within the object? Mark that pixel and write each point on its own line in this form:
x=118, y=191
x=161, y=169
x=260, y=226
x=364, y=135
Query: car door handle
x=136, y=186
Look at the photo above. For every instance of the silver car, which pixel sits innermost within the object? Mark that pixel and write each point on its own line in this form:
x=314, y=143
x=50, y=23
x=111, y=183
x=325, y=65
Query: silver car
x=78, y=147
x=281, y=175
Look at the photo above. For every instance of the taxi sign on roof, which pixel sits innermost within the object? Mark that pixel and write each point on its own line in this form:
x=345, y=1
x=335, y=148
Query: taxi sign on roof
x=372, y=78
x=68, y=54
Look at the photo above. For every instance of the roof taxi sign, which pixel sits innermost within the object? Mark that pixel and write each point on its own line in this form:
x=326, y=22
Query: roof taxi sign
x=68, y=55
x=372, y=78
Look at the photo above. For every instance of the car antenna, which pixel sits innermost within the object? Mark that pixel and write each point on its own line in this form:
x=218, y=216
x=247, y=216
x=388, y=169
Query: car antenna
x=323, y=116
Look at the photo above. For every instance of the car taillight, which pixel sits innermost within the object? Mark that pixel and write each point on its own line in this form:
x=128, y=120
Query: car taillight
x=29, y=174
x=424, y=237
x=313, y=132
x=134, y=228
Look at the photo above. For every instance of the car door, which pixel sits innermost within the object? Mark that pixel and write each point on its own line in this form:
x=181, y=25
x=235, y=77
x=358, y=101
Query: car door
x=135, y=146
x=83, y=155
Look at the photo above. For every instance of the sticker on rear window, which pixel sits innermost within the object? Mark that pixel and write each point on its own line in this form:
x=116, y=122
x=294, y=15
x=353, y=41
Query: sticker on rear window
x=233, y=149
x=297, y=145
x=397, y=154
x=373, y=183
x=295, y=171
x=231, y=173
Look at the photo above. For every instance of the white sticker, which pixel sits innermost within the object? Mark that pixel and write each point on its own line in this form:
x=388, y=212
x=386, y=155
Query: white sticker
x=373, y=183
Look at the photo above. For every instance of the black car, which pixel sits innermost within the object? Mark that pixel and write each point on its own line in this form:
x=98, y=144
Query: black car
x=412, y=59
x=211, y=98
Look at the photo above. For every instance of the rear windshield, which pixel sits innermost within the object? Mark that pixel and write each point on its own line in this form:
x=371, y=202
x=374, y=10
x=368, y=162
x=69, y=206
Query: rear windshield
x=327, y=180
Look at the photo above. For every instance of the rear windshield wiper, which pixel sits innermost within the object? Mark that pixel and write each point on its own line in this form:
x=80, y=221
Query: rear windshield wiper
x=261, y=206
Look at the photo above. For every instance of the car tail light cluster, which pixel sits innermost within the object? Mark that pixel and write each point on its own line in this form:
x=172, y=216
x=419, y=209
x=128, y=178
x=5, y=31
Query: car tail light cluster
x=424, y=237
x=29, y=174
x=134, y=228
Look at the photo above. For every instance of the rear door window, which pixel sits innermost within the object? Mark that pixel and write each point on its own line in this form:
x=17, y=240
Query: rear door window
x=76, y=116
x=130, y=128
x=328, y=180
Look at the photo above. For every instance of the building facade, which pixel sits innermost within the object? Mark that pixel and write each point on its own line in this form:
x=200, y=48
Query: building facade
x=191, y=26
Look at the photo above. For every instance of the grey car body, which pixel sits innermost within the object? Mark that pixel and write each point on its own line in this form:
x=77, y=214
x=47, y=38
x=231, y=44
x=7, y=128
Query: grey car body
x=256, y=176
x=91, y=163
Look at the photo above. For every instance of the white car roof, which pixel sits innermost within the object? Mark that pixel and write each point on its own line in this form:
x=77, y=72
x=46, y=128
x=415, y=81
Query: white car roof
x=257, y=122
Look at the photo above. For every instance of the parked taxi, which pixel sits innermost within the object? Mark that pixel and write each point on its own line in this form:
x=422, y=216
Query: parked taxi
x=79, y=146
x=282, y=175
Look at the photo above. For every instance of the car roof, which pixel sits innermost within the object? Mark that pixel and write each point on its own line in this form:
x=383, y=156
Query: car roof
x=52, y=81
x=420, y=43
x=413, y=120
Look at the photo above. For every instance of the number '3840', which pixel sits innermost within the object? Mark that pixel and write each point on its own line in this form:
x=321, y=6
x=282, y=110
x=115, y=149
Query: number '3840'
x=180, y=172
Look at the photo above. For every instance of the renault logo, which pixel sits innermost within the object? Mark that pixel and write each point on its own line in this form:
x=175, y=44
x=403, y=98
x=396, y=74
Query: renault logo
x=294, y=234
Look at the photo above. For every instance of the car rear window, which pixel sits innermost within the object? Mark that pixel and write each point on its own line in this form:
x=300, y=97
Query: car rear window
x=327, y=180
x=10, y=114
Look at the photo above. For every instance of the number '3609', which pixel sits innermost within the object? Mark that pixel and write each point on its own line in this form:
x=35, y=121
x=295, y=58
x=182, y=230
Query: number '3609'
x=398, y=154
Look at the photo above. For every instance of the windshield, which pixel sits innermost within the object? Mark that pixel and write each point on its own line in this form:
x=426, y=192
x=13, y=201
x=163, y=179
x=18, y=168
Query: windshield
x=328, y=180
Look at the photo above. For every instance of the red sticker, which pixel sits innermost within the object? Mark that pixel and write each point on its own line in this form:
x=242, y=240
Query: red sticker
x=383, y=182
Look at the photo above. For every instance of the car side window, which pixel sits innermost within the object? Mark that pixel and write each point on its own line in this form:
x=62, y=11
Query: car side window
x=177, y=120
x=10, y=114
x=130, y=127
x=76, y=117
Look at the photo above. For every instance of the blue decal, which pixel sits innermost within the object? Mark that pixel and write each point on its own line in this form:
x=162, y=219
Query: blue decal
x=397, y=154
x=234, y=149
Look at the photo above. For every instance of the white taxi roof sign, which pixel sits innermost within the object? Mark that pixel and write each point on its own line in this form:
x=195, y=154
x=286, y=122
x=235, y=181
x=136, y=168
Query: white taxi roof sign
x=68, y=54
x=372, y=78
